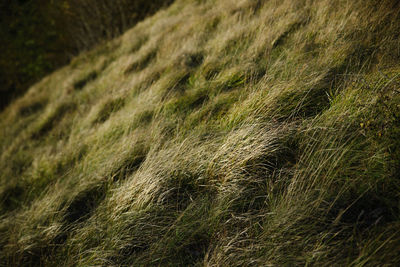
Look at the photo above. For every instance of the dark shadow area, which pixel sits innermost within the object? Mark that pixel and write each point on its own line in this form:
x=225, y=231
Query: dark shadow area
x=39, y=36
x=84, y=204
x=108, y=108
x=130, y=163
x=32, y=107
x=52, y=120
x=79, y=84
x=141, y=63
x=10, y=198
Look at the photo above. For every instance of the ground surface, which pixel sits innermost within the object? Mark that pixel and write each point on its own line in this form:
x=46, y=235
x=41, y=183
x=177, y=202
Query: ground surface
x=218, y=133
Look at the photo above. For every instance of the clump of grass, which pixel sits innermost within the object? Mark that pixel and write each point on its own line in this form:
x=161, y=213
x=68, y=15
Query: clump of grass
x=186, y=103
x=229, y=81
x=107, y=108
x=302, y=103
x=292, y=28
x=138, y=43
x=212, y=110
x=31, y=108
x=192, y=60
x=82, y=82
x=52, y=119
x=142, y=119
x=106, y=48
x=131, y=162
x=142, y=62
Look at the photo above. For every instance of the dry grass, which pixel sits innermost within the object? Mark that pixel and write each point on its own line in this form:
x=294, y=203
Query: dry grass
x=215, y=133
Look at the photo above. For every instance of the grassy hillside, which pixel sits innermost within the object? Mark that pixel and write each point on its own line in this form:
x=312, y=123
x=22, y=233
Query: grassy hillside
x=215, y=133
x=40, y=36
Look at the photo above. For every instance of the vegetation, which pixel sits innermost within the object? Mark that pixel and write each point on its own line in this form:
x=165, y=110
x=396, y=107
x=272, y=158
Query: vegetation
x=43, y=35
x=218, y=133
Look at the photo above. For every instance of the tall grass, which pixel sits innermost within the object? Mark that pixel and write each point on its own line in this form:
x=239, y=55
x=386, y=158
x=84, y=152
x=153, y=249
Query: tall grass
x=215, y=133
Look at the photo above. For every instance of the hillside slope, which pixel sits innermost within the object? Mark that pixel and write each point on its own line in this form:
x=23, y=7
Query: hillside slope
x=218, y=133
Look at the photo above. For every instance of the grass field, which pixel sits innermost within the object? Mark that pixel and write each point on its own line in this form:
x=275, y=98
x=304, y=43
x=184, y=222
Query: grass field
x=215, y=133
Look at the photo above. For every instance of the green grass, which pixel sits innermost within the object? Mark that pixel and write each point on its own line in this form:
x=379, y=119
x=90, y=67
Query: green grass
x=215, y=133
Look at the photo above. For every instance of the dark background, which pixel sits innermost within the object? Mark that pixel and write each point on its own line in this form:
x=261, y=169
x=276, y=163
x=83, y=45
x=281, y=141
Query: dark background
x=39, y=36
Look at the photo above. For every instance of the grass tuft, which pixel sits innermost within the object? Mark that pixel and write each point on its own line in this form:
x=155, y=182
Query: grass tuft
x=82, y=82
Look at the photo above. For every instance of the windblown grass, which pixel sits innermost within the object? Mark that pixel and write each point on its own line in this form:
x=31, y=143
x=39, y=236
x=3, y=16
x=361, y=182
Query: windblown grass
x=215, y=133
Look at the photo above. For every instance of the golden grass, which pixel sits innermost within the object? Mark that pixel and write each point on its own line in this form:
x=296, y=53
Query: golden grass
x=215, y=133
